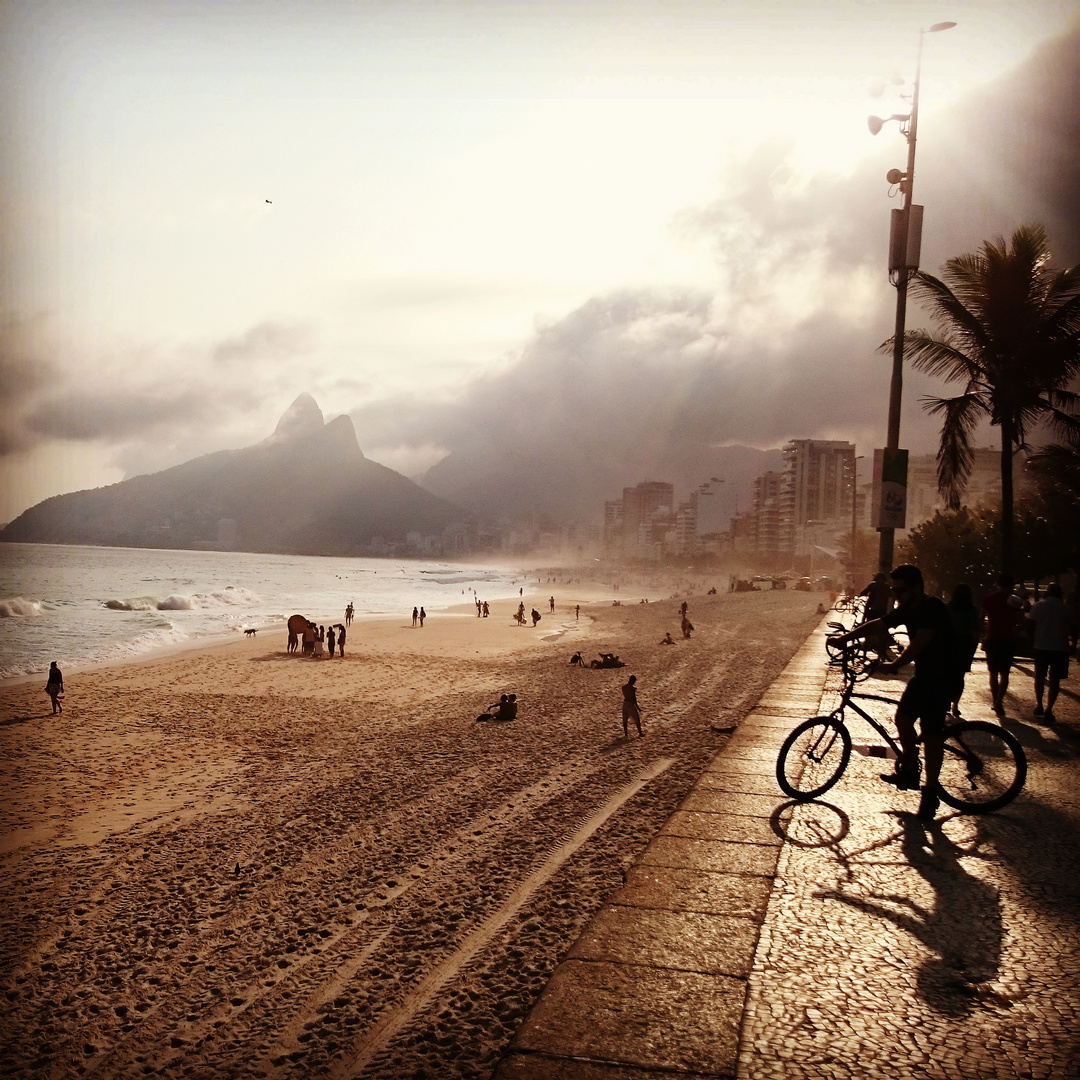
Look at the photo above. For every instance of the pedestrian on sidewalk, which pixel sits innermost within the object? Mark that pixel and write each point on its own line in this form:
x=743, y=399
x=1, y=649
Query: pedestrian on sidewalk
x=1053, y=622
x=1002, y=611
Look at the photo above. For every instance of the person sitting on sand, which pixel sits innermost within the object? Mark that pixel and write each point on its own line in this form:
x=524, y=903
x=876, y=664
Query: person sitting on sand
x=55, y=687
x=494, y=710
x=630, y=708
x=667, y=639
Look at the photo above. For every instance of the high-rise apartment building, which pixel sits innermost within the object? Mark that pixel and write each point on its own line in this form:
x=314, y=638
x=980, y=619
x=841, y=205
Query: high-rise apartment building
x=818, y=486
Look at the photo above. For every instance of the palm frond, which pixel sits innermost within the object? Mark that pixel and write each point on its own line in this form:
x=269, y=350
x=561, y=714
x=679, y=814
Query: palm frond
x=960, y=416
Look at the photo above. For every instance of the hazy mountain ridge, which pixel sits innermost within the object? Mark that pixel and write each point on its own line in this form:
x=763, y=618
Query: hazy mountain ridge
x=307, y=489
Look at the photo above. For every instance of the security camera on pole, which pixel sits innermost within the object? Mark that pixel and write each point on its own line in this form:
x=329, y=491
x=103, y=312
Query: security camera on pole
x=889, y=510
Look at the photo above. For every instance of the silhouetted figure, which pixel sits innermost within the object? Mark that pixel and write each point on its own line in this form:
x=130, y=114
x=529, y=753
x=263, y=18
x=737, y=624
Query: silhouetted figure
x=341, y=641
x=687, y=627
x=576, y=660
x=55, y=687
x=331, y=642
x=415, y=616
x=966, y=622
x=878, y=597
x=319, y=639
x=927, y=696
x=486, y=609
x=535, y=616
x=1053, y=625
x=1002, y=611
x=577, y=612
x=349, y=614
x=478, y=608
x=309, y=638
x=630, y=708
x=667, y=639
x=551, y=602
x=494, y=710
x=423, y=616
x=682, y=609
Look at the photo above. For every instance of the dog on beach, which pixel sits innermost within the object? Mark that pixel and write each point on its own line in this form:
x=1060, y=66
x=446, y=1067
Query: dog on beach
x=250, y=632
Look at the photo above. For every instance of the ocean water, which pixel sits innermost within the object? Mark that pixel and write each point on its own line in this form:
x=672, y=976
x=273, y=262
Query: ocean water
x=83, y=606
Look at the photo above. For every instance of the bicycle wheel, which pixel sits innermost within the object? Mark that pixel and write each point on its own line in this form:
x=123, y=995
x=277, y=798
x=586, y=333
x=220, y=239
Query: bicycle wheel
x=984, y=767
x=813, y=757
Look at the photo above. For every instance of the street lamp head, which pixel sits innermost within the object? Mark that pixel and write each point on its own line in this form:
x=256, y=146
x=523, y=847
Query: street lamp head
x=876, y=123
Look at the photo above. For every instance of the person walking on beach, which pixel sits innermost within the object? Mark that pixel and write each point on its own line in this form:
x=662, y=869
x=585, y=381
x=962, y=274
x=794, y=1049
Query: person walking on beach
x=423, y=616
x=349, y=614
x=341, y=641
x=535, y=616
x=577, y=612
x=486, y=609
x=55, y=687
x=687, y=627
x=551, y=602
x=331, y=641
x=630, y=708
x=415, y=615
x=1053, y=623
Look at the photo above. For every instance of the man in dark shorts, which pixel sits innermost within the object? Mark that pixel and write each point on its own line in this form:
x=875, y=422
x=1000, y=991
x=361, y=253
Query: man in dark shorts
x=1002, y=611
x=1053, y=625
x=928, y=695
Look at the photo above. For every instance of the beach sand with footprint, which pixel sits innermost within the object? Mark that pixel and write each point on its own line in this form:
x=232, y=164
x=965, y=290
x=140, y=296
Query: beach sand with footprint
x=408, y=877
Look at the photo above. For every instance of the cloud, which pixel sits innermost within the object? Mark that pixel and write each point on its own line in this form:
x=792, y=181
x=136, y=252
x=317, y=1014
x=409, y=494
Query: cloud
x=269, y=342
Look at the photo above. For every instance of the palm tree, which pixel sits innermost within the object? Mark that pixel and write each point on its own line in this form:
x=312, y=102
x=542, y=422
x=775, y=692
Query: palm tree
x=1009, y=332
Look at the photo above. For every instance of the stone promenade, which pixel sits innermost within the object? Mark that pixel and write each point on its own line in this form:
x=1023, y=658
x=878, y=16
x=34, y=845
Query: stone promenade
x=840, y=938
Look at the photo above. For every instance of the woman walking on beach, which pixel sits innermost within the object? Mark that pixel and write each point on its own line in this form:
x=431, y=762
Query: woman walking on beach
x=55, y=687
x=415, y=616
x=423, y=616
x=630, y=709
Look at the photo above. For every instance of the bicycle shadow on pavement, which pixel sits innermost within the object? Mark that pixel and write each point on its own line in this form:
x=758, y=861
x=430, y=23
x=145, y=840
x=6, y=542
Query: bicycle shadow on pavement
x=810, y=824
x=963, y=929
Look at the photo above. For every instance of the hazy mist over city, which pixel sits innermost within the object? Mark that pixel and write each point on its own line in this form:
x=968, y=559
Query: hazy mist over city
x=525, y=241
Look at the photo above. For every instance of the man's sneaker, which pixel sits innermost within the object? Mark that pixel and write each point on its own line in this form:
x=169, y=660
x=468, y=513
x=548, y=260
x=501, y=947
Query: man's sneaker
x=1037, y=711
x=903, y=781
x=928, y=806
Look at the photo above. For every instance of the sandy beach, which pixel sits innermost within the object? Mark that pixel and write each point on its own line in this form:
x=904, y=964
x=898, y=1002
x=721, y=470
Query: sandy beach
x=236, y=862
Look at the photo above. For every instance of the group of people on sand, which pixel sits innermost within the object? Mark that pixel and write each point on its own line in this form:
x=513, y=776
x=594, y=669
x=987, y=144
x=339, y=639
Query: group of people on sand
x=504, y=709
x=319, y=641
x=482, y=608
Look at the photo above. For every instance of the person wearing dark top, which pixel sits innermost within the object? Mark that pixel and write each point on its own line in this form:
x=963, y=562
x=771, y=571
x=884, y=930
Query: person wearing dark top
x=928, y=695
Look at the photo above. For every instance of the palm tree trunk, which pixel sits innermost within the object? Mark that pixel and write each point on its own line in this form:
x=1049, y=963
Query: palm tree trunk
x=1006, y=497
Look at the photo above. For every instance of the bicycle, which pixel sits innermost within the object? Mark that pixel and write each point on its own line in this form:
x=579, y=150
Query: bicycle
x=984, y=766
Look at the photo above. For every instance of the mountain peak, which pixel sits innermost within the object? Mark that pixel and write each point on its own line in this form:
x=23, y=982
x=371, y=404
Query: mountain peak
x=302, y=418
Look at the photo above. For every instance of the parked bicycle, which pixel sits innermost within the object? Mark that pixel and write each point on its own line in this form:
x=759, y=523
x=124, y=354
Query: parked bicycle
x=984, y=766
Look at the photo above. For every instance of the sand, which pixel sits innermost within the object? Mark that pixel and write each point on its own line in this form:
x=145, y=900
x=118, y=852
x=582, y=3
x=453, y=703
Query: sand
x=235, y=862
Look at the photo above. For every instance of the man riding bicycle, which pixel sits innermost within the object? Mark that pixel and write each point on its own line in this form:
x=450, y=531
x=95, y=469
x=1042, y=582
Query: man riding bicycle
x=928, y=695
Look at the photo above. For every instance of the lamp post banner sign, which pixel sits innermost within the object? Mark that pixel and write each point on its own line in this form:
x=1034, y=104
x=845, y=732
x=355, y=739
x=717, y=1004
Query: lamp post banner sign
x=888, y=508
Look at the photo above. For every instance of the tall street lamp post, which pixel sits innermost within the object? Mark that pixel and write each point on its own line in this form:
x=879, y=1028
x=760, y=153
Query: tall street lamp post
x=904, y=244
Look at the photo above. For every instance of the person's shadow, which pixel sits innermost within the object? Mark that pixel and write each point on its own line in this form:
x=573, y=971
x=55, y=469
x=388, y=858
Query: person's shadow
x=963, y=929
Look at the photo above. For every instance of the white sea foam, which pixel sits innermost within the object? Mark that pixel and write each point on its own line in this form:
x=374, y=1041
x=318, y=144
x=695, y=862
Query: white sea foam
x=223, y=598
x=137, y=603
x=16, y=607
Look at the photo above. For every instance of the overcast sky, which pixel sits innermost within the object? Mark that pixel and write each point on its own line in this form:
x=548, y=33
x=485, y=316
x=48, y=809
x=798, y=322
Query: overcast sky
x=422, y=213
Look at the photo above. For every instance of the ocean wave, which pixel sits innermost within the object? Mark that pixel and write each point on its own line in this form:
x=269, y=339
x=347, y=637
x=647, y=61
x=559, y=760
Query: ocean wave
x=137, y=603
x=222, y=598
x=17, y=607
